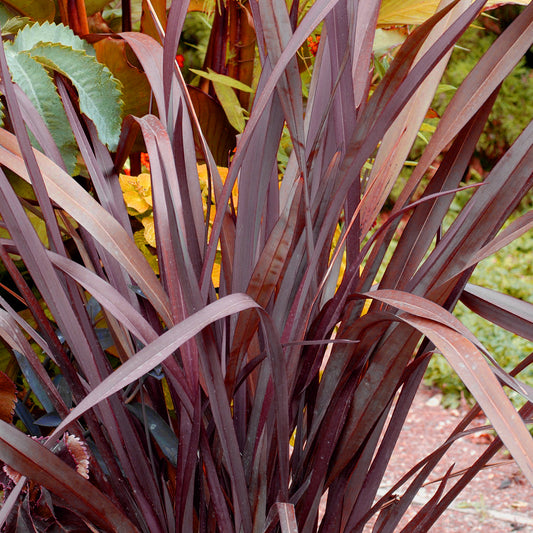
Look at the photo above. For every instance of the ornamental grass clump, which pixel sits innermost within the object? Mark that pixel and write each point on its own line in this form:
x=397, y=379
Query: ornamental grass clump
x=267, y=397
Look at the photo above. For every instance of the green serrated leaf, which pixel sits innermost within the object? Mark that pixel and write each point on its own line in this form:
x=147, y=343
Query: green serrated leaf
x=35, y=81
x=37, y=34
x=12, y=24
x=99, y=93
x=40, y=10
x=231, y=105
x=223, y=80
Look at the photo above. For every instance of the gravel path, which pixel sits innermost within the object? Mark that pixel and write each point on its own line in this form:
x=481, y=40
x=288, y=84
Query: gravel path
x=498, y=500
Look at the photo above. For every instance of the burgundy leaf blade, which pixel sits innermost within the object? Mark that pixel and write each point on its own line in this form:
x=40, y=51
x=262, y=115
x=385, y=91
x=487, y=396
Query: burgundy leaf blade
x=26, y=456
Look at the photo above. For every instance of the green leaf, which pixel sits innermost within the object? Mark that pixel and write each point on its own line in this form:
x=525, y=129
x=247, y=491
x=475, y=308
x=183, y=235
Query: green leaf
x=93, y=6
x=231, y=105
x=385, y=40
x=98, y=91
x=41, y=10
x=5, y=15
x=37, y=34
x=12, y=24
x=427, y=127
x=35, y=81
x=223, y=80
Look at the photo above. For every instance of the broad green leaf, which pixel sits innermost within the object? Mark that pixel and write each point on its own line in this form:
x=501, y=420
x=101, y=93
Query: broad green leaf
x=231, y=105
x=38, y=34
x=35, y=81
x=98, y=91
x=223, y=80
x=41, y=10
x=385, y=40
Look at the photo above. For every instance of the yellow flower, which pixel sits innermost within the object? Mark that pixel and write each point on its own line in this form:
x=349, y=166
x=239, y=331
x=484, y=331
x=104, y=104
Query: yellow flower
x=137, y=192
x=202, y=174
x=149, y=229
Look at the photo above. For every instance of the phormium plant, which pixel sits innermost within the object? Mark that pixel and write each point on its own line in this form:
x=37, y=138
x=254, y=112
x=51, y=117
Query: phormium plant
x=269, y=396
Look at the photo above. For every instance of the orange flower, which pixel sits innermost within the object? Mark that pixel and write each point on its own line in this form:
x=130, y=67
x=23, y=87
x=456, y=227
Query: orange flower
x=145, y=161
x=312, y=43
x=181, y=60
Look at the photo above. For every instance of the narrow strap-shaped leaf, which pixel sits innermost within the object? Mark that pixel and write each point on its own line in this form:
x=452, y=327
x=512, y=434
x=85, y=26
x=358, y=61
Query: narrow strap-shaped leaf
x=108, y=296
x=480, y=83
x=287, y=518
x=218, y=497
x=176, y=18
x=425, y=308
x=101, y=225
x=277, y=31
x=501, y=309
x=157, y=351
x=41, y=466
x=487, y=210
x=476, y=374
x=397, y=142
x=265, y=279
x=516, y=228
x=413, y=243
x=12, y=335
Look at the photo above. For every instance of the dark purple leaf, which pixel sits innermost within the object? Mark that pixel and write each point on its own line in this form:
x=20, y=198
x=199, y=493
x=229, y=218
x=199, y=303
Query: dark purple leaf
x=159, y=429
x=503, y=310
